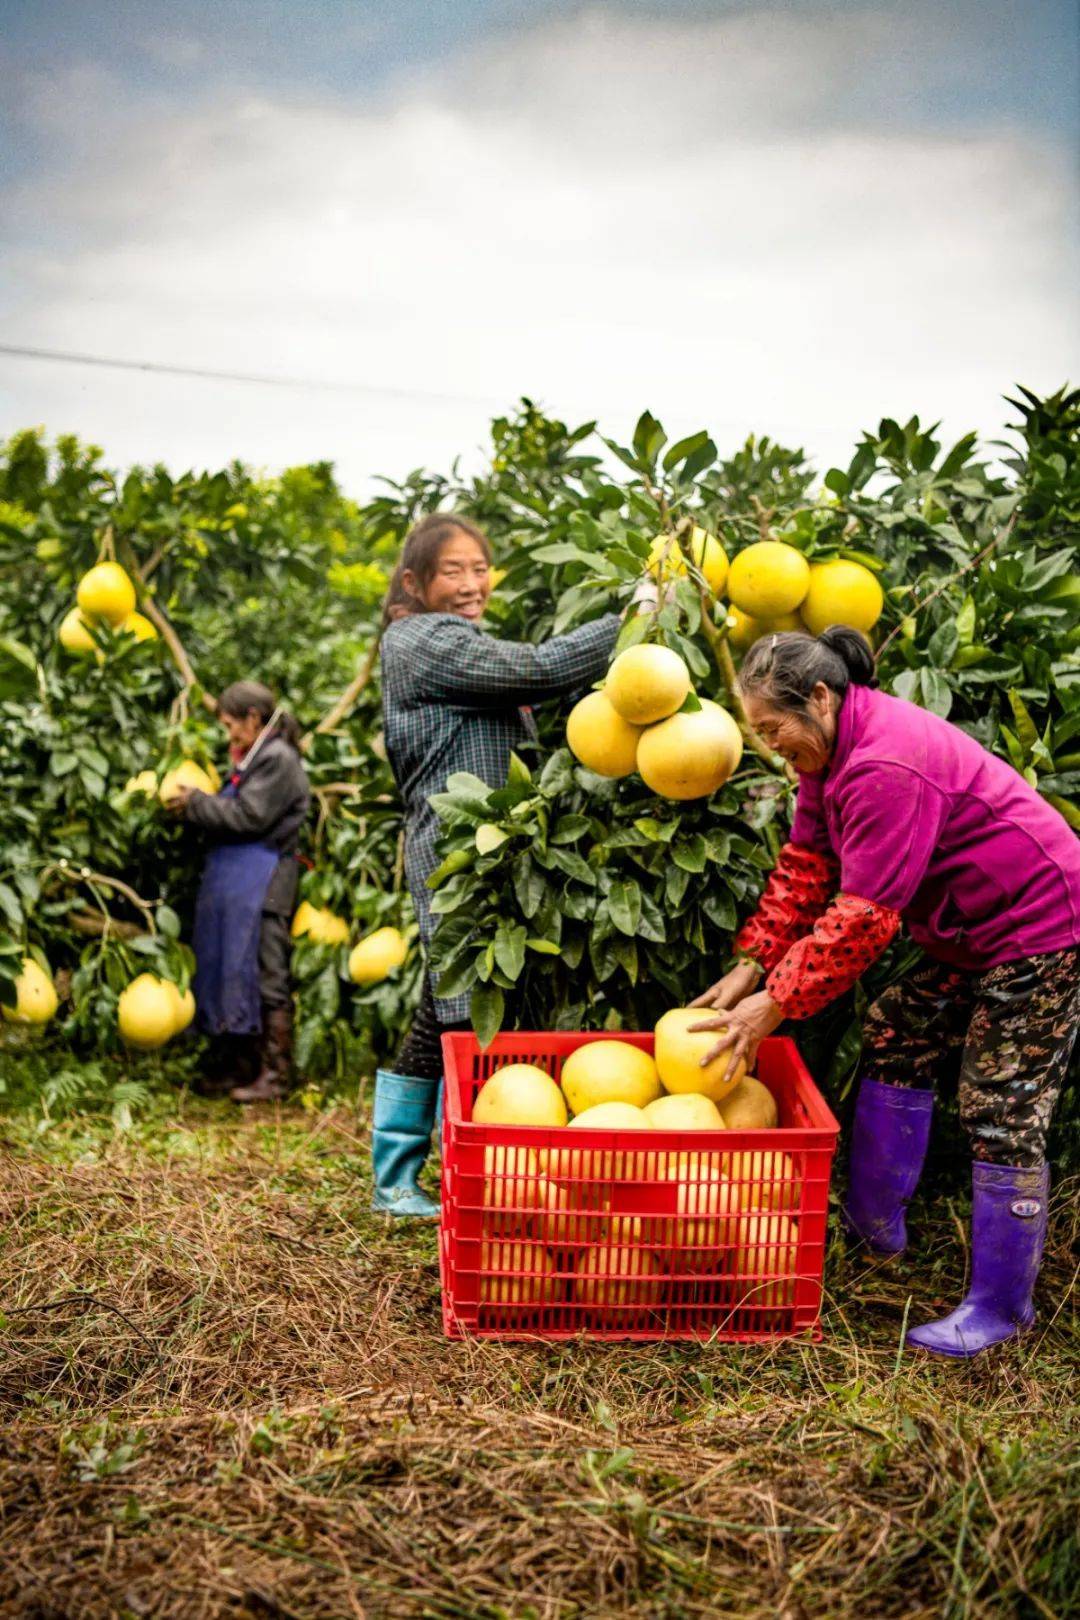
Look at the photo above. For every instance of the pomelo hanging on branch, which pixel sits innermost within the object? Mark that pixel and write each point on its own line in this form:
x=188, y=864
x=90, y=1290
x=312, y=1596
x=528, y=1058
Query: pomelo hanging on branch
x=74, y=634
x=667, y=560
x=691, y=754
x=35, y=995
x=647, y=683
x=599, y=737
x=377, y=956
x=106, y=593
x=768, y=578
x=842, y=592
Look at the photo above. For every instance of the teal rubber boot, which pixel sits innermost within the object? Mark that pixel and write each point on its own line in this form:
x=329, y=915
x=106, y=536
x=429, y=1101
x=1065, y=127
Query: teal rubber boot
x=402, y=1120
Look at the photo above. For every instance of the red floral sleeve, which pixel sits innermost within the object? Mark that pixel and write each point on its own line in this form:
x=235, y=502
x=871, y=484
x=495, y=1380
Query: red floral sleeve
x=800, y=886
x=818, y=968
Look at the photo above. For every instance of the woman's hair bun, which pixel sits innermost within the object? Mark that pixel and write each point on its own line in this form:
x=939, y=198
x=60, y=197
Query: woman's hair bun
x=853, y=649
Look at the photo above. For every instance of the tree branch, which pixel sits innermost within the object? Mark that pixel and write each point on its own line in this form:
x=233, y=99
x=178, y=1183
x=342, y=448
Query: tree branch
x=177, y=652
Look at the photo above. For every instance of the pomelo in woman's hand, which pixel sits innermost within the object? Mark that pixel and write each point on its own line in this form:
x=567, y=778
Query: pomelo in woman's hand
x=690, y=755
x=647, y=683
x=684, y=1111
x=187, y=774
x=750, y=1107
x=842, y=592
x=106, y=593
x=35, y=995
x=519, y=1094
x=768, y=578
x=146, y=1013
x=608, y=1071
x=377, y=956
x=599, y=737
x=679, y=1053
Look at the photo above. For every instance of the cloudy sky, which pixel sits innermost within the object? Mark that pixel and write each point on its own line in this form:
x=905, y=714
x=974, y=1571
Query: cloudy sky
x=786, y=216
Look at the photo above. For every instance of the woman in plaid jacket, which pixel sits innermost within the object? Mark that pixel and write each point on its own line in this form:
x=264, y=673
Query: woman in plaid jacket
x=454, y=699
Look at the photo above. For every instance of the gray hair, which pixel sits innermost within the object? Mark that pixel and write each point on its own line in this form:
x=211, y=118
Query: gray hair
x=784, y=668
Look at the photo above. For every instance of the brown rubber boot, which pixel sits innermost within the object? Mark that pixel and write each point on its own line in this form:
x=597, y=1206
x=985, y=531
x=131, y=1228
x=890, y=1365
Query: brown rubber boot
x=275, y=1074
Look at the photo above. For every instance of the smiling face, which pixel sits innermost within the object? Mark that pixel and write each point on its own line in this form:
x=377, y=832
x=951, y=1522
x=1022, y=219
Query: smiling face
x=242, y=729
x=461, y=582
x=804, y=738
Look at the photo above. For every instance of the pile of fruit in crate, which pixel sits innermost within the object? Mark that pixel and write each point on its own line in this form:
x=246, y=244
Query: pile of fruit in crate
x=621, y=1222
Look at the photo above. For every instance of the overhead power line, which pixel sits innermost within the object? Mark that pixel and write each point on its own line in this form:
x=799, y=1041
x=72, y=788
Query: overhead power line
x=257, y=379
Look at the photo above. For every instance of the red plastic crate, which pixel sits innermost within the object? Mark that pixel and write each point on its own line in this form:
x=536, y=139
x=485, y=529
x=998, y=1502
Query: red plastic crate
x=560, y=1233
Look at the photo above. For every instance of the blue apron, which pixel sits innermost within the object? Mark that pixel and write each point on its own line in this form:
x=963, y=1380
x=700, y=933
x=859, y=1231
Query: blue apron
x=228, y=918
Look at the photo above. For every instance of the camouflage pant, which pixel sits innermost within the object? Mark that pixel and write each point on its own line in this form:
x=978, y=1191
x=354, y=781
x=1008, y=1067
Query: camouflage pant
x=1011, y=1030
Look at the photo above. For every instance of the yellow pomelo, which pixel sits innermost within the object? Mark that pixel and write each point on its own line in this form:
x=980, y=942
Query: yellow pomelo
x=609, y=1071
x=146, y=1012
x=842, y=592
x=603, y=1165
x=139, y=626
x=35, y=995
x=600, y=738
x=768, y=578
x=303, y=919
x=765, y=1246
x=107, y=593
x=750, y=1107
x=535, y=1287
x=690, y=755
x=679, y=1054
x=618, y=1281
x=327, y=928
x=764, y=1180
x=183, y=1005
x=145, y=782
x=513, y=1189
x=377, y=956
x=519, y=1094
x=707, y=1209
x=646, y=684
x=684, y=1111
x=666, y=559
x=74, y=634
x=186, y=774
x=569, y=1216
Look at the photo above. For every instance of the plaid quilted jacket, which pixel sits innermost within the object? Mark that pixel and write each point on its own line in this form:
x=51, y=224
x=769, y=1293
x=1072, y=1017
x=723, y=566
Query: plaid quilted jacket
x=453, y=700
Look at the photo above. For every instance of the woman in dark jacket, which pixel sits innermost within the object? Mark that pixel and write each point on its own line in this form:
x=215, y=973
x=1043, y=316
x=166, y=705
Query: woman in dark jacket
x=248, y=889
x=454, y=699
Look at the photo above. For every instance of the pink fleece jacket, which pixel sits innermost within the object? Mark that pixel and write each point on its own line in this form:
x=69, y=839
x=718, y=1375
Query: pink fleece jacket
x=925, y=821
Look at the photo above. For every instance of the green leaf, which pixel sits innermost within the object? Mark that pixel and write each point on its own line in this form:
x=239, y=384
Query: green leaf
x=1027, y=732
x=543, y=947
x=965, y=622
x=624, y=906
x=529, y=884
x=488, y=838
x=456, y=861
x=168, y=923
x=837, y=481
x=9, y=905
x=685, y=447
x=649, y=439
x=486, y=1010
x=509, y=947
x=689, y=853
x=936, y=692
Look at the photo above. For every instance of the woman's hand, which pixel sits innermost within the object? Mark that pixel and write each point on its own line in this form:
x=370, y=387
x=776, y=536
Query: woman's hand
x=731, y=988
x=177, y=805
x=745, y=1027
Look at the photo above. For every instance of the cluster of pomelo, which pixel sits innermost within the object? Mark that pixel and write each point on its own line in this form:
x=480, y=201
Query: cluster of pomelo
x=571, y=1211
x=105, y=595
x=638, y=722
x=771, y=586
x=371, y=960
x=150, y=1011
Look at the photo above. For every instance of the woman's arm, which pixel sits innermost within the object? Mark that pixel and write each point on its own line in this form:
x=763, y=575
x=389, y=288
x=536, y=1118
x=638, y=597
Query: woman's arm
x=258, y=805
x=799, y=888
x=452, y=662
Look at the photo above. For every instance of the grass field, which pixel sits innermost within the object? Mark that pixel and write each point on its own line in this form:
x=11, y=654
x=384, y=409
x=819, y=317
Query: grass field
x=225, y=1392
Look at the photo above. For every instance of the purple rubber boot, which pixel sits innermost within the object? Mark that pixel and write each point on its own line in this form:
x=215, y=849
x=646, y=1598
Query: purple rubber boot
x=888, y=1146
x=1008, y=1226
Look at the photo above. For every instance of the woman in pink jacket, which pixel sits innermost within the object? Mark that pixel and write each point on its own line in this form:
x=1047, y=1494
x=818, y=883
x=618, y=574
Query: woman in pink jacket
x=904, y=820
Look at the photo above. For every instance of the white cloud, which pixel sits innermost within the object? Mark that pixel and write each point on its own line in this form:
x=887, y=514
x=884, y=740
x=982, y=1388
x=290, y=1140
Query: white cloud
x=602, y=214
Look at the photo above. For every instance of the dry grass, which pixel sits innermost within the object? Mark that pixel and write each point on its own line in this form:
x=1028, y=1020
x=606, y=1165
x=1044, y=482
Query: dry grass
x=224, y=1391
